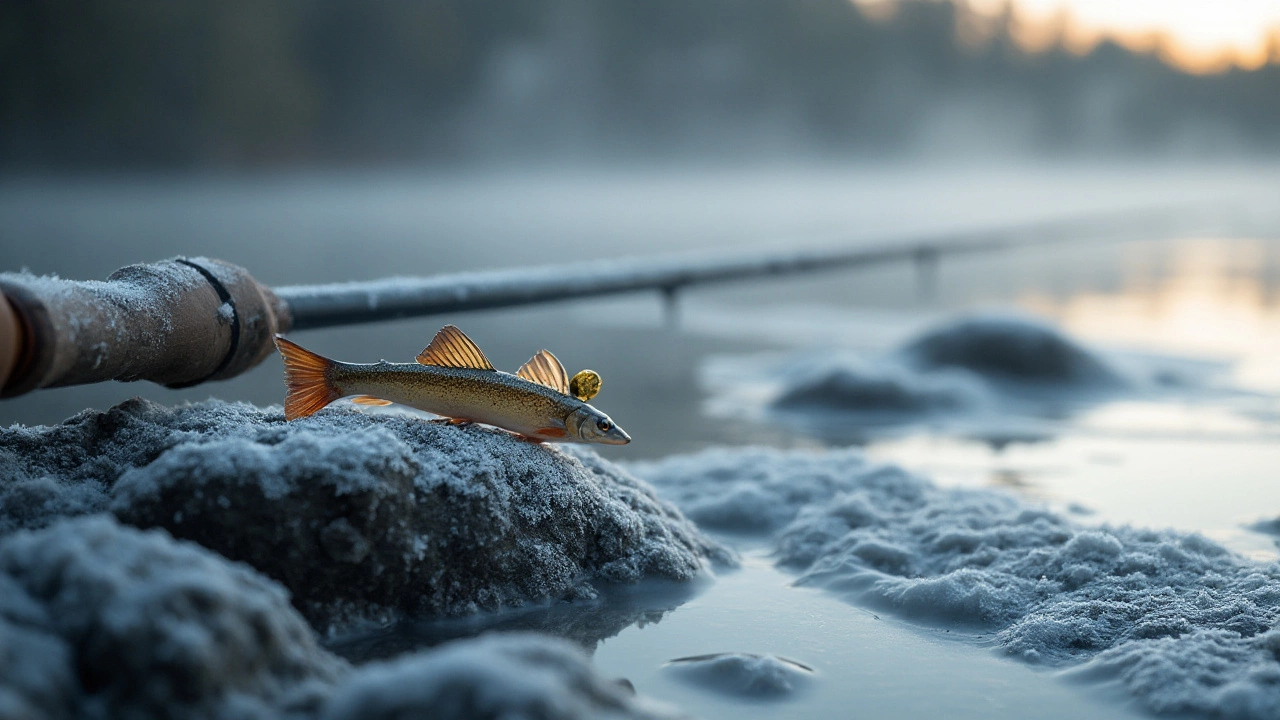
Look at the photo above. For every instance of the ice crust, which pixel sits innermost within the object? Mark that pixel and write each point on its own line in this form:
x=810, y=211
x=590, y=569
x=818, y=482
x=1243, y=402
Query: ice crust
x=100, y=620
x=1177, y=620
x=359, y=516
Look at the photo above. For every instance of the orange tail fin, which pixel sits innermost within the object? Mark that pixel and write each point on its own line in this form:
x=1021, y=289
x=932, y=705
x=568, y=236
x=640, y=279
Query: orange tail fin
x=306, y=376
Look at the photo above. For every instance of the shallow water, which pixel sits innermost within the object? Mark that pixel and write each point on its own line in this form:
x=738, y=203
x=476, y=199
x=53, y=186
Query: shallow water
x=865, y=665
x=1203, y=298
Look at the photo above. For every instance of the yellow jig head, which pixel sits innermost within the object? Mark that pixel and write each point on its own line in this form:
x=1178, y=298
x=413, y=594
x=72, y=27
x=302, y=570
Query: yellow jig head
x=585, y=385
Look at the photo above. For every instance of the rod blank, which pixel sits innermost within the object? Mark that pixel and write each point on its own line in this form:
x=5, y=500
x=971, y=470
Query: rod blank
x=317, y=306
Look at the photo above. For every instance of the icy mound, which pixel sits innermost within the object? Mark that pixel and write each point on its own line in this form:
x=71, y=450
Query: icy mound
x=103, y=621
x=748, y=491
x=1270, y=526
x=865, y=388
x=1179, y=621
x=743, y=674
x=496, y=676
x=358, y=515
x=1009, y=348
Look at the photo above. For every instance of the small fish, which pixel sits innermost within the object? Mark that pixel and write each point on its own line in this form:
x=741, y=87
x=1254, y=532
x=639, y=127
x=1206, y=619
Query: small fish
x=454, y=379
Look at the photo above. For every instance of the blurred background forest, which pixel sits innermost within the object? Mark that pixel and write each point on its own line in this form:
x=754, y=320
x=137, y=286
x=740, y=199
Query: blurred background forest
x=233, y=84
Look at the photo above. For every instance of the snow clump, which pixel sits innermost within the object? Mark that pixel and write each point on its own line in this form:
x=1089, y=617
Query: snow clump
x=746, y=490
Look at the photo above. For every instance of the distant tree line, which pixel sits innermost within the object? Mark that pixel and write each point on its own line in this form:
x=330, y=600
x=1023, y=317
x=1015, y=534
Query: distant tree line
x=242, y=83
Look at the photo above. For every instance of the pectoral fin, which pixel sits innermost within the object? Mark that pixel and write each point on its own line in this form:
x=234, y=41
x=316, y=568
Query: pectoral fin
x=543, y=368
x=370, y=400
x=452, y=348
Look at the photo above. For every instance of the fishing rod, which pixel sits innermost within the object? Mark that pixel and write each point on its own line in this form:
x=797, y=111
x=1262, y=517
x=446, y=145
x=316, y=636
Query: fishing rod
x=187, y=321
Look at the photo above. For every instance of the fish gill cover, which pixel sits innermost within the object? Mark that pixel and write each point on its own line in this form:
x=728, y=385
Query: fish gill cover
x=1178, y=621
x=359, y=516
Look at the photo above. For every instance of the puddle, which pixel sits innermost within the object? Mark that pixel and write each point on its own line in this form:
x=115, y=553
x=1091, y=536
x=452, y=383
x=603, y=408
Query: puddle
x=864, y=665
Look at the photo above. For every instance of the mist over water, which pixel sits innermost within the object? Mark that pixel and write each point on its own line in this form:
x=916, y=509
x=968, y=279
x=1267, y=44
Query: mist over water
x=209, y=85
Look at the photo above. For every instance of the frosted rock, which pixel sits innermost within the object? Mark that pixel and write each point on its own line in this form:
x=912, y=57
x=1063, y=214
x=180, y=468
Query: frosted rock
x=859, y=387
x=1011, y=348
x=99, y=620
x=121, y=623
x=743, y=674
x=497, y=676
x=359, y=515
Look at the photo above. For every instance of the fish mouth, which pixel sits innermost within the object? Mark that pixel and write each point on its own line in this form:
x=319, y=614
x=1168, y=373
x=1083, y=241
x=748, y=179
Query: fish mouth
x=616, y=436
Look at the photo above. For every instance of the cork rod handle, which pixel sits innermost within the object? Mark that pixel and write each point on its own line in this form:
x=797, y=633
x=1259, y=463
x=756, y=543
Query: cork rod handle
x=177, y=322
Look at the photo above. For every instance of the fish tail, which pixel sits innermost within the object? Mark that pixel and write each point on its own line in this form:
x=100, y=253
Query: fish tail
x=306, y=377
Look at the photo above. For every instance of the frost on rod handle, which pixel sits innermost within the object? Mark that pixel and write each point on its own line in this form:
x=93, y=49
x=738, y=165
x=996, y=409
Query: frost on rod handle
x=177, y=322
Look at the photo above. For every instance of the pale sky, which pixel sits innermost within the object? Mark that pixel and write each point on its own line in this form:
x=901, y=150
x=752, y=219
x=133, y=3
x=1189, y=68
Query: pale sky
x=1202, y=29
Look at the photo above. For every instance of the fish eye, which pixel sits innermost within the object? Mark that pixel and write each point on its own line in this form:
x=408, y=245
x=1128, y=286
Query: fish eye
x=604, y=425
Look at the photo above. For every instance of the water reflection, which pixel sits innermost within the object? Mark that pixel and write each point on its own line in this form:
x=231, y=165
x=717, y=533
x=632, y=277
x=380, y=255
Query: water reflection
x=1202, y=297
x=585, y=622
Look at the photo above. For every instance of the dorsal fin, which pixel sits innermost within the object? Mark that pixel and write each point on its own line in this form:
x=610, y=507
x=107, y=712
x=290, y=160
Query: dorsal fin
x=543, y=368
x=451, y=348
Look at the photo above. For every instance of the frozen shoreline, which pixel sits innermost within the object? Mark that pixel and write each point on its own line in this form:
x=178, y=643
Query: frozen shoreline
x=1176, y=620
x=1179, y=623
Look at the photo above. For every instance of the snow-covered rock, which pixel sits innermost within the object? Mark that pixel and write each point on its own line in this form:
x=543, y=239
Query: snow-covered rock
x=358, y=515
x=495, y=676
x=881, y=389
x=135, y=625
x=743, y=674
x=1010, y=347
x=99, y=620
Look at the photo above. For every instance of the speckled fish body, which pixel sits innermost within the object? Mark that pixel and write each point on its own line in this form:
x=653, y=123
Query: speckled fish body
x=488, y=396
x=454, y=379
